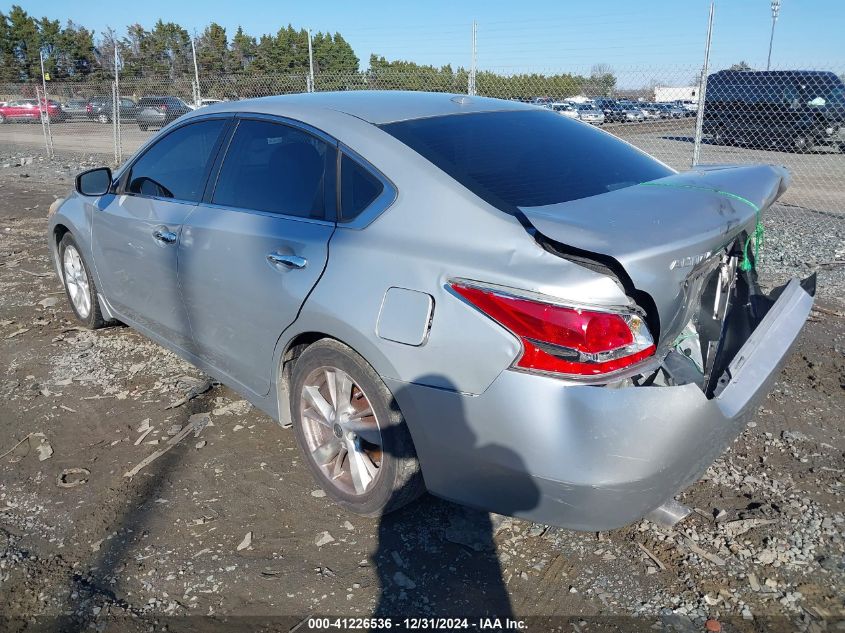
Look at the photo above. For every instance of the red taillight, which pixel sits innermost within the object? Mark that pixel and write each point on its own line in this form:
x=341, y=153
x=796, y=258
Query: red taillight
x=163, y=106
x=561, y=339
x=89, y=107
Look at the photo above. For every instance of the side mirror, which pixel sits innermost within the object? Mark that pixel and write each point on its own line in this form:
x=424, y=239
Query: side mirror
x=94, y=182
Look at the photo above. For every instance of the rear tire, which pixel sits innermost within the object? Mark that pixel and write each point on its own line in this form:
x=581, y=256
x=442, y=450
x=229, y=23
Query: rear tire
x=79, y=285
x=350, y=384
x=802, y=144
x=142, y=127
x=2, y=118
x=103, y=118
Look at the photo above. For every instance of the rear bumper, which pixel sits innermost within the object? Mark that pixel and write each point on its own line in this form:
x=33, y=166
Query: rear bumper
x=153, y=119
x=584, y=457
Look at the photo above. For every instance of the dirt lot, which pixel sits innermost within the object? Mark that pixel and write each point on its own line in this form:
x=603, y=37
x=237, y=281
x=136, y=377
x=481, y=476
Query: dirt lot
x=229, y=523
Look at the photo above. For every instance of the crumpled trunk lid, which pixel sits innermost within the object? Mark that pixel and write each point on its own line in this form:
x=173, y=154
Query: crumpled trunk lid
x=662, y=231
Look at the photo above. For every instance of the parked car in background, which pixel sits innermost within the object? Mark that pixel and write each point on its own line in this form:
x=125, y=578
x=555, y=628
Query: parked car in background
x=564, y=109
x=158, y=111
x=29, y=110
x=670, y=111
x=75, y=108
x=288, y=246
x=689, y=107
x=204, y=102
x=95, y=106
x=613, y=111
x=650, y=111
x=634, y=114
x=798, y=109
x=589, y=114
x=105, y=111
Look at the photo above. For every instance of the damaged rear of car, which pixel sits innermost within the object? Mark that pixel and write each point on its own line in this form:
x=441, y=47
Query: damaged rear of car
x=609, y=409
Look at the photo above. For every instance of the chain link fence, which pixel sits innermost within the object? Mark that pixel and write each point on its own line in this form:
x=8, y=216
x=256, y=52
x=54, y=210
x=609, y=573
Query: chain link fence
x=780, y=118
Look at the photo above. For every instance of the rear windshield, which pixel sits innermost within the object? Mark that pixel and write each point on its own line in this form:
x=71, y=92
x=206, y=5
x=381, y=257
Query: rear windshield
x=527, y=158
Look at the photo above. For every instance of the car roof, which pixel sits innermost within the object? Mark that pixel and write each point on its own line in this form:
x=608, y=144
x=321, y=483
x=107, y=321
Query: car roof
x=377, y=106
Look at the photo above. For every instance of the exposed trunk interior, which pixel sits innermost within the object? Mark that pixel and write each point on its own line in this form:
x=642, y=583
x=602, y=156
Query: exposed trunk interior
x=727, y=306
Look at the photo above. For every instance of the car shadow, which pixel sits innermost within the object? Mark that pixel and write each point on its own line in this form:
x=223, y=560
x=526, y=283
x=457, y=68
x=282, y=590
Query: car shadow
x=94, y=600
x=438, y=559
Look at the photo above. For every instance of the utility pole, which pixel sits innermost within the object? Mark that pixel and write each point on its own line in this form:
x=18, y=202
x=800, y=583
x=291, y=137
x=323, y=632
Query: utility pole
x=45, y=113
x=310, y=64
x=775, y=12
x=702, y=89
x=118, y=147
x=198, y=96
x=472, y=68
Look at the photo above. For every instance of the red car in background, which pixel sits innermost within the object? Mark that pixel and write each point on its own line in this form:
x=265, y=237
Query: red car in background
x=31, y=110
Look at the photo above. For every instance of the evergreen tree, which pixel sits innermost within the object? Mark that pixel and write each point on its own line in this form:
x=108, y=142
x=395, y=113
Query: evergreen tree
x=242, y=51
x=25, y=42
x=213, y=50
x=8, y=65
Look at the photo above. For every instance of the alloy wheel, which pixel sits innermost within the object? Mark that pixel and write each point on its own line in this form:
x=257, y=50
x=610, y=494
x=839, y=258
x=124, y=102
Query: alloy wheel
x=341, y=430
x=76, y=281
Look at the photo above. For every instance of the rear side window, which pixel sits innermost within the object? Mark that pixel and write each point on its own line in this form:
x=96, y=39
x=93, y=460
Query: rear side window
x=275, y=168
x=527, y=158
x=177, y=165
x=358, y=188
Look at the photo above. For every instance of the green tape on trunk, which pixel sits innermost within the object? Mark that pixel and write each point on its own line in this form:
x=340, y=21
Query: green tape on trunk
x=756, y=235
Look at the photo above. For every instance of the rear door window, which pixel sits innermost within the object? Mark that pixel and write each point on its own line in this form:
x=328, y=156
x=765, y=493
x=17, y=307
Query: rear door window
x=527, y=158
x=276, y=168
x=177, y=165
x=358, y=188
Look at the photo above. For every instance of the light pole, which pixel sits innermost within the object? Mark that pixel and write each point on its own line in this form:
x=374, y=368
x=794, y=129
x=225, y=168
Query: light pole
x=775, y=12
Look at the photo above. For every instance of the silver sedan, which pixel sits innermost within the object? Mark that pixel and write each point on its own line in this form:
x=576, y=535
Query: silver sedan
x=476, y=297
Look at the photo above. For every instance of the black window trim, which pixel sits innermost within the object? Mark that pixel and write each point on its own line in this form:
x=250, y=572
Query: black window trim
x=282, y=120
x=123, y=180
x=382, y=202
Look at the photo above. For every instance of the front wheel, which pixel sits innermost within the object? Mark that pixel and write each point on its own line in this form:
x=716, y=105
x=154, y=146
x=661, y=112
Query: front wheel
x=79, y=285
x=350, y=429
x=719, y=137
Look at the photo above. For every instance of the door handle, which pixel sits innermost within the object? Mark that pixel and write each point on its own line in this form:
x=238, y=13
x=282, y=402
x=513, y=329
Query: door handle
x=291, y=261
x=166, y=237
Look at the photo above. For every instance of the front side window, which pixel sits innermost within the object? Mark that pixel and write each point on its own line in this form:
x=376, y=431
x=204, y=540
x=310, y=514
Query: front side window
x=275, y=168
x=358, y=188
x=176, y=166
x=527, y=158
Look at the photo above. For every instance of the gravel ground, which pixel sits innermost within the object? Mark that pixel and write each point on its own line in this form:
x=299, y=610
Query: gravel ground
x=229, y=522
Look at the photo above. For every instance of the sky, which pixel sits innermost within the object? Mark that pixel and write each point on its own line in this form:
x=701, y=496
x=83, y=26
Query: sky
x=641, y=40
